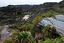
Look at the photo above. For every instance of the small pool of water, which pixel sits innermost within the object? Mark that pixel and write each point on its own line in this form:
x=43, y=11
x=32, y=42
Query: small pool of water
x=58, y=22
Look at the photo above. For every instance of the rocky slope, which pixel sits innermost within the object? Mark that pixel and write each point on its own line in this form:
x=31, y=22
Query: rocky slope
x=14, y=13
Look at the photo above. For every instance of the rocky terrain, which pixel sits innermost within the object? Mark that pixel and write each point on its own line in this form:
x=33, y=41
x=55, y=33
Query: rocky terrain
x=13, y=13
x=42, y=23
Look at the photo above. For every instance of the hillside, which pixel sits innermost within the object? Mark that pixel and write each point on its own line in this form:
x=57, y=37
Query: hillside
x=14, y=13
x=42, y=23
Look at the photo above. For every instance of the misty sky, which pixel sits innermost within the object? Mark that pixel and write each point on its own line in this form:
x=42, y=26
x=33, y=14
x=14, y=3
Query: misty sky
x=20, y=2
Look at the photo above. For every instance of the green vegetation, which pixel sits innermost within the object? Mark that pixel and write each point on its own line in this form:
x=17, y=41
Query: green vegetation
x=9, y=41
x=24, y=37
x=49, y=36
x=25, y=32
x=37, y=20
x=30, y=31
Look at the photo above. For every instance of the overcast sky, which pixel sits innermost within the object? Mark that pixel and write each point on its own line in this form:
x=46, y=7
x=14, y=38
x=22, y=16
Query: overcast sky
x=20, y=2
